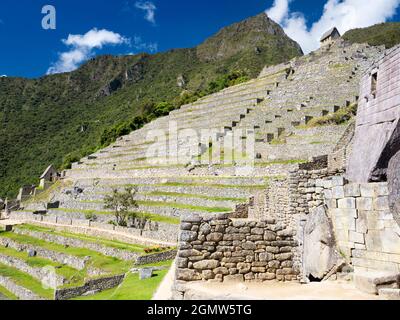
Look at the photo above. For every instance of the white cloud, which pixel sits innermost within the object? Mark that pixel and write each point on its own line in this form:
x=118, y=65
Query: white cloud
x=343, y=14
x=139, y=45
x=150, y=9
x=82, y=48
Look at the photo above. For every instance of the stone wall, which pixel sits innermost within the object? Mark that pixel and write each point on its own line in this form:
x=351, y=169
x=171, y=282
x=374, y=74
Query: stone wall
x=72, y=242
x=377, y=120
x=42, y=274
x=156, y=257
x=20, y=292
x=221, y=249
x=92, y=286
x=366, y=232
x=168, y=235
x=72, y=261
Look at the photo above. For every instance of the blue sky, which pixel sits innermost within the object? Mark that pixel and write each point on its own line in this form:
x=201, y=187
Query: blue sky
x=130, y=26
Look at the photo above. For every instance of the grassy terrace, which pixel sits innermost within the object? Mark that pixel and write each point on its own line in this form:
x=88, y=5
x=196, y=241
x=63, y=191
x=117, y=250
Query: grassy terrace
x=113, y=244
x=183, y=206
x=7, y=294
x=153, y=217
x=25, y=280
x=109, y=265
x=160, y=204
x=73, y=276
x=132, y=288
x=187, y=195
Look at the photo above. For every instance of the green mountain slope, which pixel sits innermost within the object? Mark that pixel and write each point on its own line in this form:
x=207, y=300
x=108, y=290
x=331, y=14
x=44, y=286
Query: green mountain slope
x=387, y=34
x=43, y=120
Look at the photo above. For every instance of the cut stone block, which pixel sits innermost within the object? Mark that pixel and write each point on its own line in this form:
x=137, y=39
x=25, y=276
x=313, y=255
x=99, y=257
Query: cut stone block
x=364, y=204
x=389, y=294
x=372, y=282
x=352, y=190
x=381, y=189
x=367, y=190
x=328, y=194
x=381, y=203
x=347, y=203
x=338, y=181
x=145, y=273
x=356, y=237
x=338, y=192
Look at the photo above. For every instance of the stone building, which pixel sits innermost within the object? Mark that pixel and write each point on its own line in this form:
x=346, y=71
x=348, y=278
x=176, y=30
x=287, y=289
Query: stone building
x=330, y=36
x=377, y=128
x=49, y=175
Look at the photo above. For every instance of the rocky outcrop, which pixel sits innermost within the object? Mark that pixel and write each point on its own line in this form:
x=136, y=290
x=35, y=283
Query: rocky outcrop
x=394, y=186
x=320, y=254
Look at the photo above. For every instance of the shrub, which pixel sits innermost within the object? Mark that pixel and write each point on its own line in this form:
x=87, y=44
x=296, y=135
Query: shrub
x=121, y=203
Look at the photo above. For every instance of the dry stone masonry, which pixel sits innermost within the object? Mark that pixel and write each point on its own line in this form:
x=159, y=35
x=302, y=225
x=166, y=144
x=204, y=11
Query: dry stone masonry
x=220, y=249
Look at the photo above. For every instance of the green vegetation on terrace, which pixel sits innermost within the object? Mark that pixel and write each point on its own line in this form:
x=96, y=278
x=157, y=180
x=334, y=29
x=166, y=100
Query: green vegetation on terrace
x=109, y=265
x=211, y=185
x=25, y=280
x=131, y=289
x=44, y=196
x=151, y=216
x=61, y=118
x=74, y=277
x=182, y=206
x=187, y=195
x=341, y=116
x=7, y=294
x=109, y=243
x=387, y=34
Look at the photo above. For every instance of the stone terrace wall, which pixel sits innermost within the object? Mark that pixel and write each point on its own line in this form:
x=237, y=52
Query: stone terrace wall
x=96, y=229
x=91, y=286
x=366, y=232
x=220, y=249
x=20, y=292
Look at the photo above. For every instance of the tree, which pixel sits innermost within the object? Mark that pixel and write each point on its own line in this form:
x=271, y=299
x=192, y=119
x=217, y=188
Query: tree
x=121, y=203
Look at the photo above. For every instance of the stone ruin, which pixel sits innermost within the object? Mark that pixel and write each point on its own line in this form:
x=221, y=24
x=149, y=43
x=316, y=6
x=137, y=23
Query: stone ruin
x=294, y=216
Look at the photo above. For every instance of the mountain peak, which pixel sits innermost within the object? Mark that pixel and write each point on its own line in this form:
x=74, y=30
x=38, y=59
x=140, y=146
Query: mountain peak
x=257, y=34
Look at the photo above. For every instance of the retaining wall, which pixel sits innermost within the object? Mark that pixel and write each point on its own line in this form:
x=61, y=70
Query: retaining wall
x=90, y=286
x=220, y=249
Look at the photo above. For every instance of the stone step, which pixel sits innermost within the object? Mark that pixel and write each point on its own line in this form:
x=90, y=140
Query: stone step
x=371, y=282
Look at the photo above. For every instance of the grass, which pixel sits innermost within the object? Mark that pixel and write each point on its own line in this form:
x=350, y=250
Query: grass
x=73, y=276
x=278, y=141
x=277, y=162
x=213, y=185
x=183, y=206
x=25, y=280
x=109, y=243
x=152, y=217
x=110, y=265
x=187, y=195
x=131, y=289
x=163, y=219
x=341, y=116
x=45, y=195
x=7, y=294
